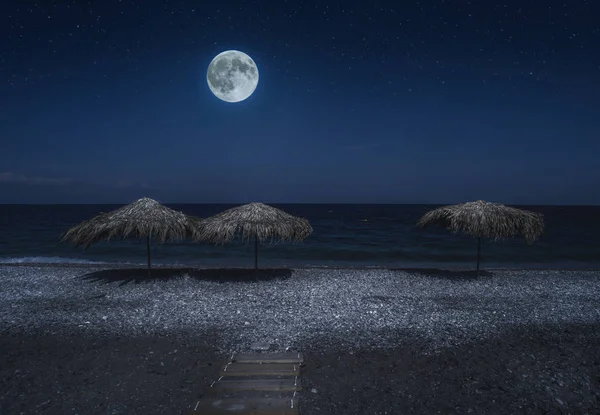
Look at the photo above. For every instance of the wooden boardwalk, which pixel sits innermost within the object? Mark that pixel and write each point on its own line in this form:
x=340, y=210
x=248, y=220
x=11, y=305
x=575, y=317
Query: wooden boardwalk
x=255, y=384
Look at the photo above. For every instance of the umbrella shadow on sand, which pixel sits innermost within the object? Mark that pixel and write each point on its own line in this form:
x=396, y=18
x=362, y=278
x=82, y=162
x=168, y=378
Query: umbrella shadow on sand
x=456, y=275
x=125, y=276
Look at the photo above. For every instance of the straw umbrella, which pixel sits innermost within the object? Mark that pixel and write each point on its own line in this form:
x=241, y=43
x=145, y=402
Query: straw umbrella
x=145, y=218
x=482, y=219
x=253, y=221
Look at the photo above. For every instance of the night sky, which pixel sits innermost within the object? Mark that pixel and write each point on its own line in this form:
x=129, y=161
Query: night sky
x=358, y=102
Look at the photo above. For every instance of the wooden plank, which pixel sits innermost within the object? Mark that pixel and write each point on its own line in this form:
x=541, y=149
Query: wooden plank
x=258, y=406
x=250, y=369
x=283, y=385
x=268, y=358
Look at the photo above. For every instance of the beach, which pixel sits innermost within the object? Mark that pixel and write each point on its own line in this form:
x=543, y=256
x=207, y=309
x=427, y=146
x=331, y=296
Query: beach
x=108, y=340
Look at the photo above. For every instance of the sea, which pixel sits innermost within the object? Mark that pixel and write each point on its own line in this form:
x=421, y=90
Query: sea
x=344, y=236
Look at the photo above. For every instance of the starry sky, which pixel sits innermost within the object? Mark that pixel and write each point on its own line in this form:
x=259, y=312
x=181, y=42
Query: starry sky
x=432, y=101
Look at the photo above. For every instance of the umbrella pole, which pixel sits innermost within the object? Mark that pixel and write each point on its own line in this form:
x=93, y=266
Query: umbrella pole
x=255, y=252
x=148, y=251
x=478, y=253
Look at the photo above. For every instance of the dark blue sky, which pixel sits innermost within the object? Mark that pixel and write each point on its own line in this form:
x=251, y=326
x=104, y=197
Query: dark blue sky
x=358, y=102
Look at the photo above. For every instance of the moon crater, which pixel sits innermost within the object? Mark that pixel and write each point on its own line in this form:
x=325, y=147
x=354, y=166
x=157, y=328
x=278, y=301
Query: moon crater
x=232, y=76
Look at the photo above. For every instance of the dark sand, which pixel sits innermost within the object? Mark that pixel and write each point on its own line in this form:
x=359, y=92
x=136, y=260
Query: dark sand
x=550, y=371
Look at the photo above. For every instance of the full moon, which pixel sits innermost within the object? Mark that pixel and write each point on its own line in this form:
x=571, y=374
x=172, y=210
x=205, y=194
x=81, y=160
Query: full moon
x=232, y=76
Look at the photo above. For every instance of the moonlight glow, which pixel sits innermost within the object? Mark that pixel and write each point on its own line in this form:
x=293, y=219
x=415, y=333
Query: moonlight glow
x=232, y=76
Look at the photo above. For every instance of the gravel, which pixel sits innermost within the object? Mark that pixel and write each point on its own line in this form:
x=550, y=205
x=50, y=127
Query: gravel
x=303, y=309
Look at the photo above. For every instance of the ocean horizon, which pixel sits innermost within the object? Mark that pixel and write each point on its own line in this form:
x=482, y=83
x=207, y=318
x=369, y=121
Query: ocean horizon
x=345, y=235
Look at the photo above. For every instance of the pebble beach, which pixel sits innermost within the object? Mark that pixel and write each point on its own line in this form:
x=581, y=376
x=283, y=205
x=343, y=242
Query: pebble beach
x=153, y=344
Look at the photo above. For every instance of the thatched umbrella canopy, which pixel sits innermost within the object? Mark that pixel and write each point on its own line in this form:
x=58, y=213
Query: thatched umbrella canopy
x=145, y=218
x=482, y=219
x=253, y=221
